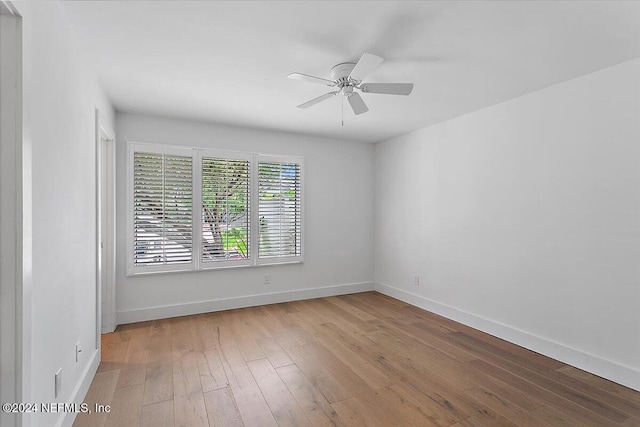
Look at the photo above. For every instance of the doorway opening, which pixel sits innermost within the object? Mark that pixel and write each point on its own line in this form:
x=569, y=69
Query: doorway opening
x=105, y=231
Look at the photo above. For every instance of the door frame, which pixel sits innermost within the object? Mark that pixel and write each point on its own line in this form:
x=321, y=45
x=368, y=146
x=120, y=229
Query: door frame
x=15, y=223
x=105, y=230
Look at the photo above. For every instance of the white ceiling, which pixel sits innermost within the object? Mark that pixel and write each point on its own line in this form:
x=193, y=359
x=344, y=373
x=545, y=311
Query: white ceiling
x=227, y=62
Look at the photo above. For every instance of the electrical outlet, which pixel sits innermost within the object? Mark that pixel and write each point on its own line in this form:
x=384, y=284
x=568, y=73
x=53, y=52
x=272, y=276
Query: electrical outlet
x=78, y=351
x=58, y=383
x=416, y=280
x=267, y=279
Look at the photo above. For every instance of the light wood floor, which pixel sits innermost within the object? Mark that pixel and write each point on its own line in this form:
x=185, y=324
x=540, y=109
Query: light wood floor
x=359, y=360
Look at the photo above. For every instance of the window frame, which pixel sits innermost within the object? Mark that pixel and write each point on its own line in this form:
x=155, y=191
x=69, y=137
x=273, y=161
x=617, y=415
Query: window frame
x=279, y=159
x=197, y=154
x=228, y=155
x=132, y=268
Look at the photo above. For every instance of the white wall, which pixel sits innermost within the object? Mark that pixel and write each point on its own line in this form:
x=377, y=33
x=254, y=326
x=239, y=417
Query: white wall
x=60, y=98
x=523, y=219
x=338, y=224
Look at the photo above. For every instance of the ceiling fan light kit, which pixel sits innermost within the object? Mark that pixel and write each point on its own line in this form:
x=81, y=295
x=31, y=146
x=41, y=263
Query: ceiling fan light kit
x=346, y=77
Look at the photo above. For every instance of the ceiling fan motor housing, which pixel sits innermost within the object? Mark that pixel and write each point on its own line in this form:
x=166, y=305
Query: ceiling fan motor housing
x=346, y=90
x=341, y=71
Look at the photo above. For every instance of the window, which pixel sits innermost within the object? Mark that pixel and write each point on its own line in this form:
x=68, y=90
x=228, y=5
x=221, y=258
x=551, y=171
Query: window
x=196, y=209
x=226, y=221
x=279, y=210
x=162, y=210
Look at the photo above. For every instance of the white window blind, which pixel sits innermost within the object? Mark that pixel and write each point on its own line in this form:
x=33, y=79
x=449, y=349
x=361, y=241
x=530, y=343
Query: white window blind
x=196, y=209
x=279, y=210
x=162, y=209
x=225, y=210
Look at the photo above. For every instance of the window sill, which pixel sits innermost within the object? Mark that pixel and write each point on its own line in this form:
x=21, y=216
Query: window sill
x=205, y=269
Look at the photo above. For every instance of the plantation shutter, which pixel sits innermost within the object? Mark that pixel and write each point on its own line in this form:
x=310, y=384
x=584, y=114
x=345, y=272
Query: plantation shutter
x=162, y=209
x=225, y=210
x=279, y=210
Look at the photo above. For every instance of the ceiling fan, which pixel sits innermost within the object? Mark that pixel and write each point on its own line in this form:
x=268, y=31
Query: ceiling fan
x=348, y=76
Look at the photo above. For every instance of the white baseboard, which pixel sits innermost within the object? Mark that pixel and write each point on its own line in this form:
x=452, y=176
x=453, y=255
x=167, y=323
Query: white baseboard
x=166, y=311
x=608, y=369
x=80, y=392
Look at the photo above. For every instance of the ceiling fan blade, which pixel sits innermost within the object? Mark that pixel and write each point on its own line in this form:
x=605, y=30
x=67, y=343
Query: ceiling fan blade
x=311, y=79
x=387, y=88
x=365, y=65
x=317, y=100
x=357, y=104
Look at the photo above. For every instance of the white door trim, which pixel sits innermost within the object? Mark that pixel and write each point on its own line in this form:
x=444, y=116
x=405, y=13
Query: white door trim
x=105, y=230
x=15, y=215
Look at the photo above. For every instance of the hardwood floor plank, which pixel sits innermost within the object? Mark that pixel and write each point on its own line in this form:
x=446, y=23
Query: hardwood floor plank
x=280, y=312
x=374, y=403
x=244, y=338
x=621, y=392
x=159, y=337
x=362, y=367
x=182, y=338
x=497, y=347
x=212, y=375
x=389, y=309
x=202, y=330
x=487, y=419
x=564, y=391
x=549, y=397
x=140, y=336
x=158, y=385
x=186, y=377
x=188, y=400
x=159, y=375
x=523, y=400
x=221, y=408
x=418, y=407
x=190, y=411
x=380, y=312
x=224, y=337
x=434, y=319
x=114, y=353
x=340, y=315
x=353, y=414
x=126, y=406
x=555, y=417
x=425, y=386
x=360, y=359
x=309, y=318
x=314, y=404
x=330, y=363
x=360, y=314
x=100, y=392
x=428, y=359
x=157, y=415
x=269, y=322
x=253, y=319
x=632, y=422
x=326, y=381
x=355, y=333
x=426, y=335
x=409, y=375
x=412, y=411
x=504, y=407
x=276, y=355
x=603, y=396
x=134, y=369
x=251, y=403
x=283, y=406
